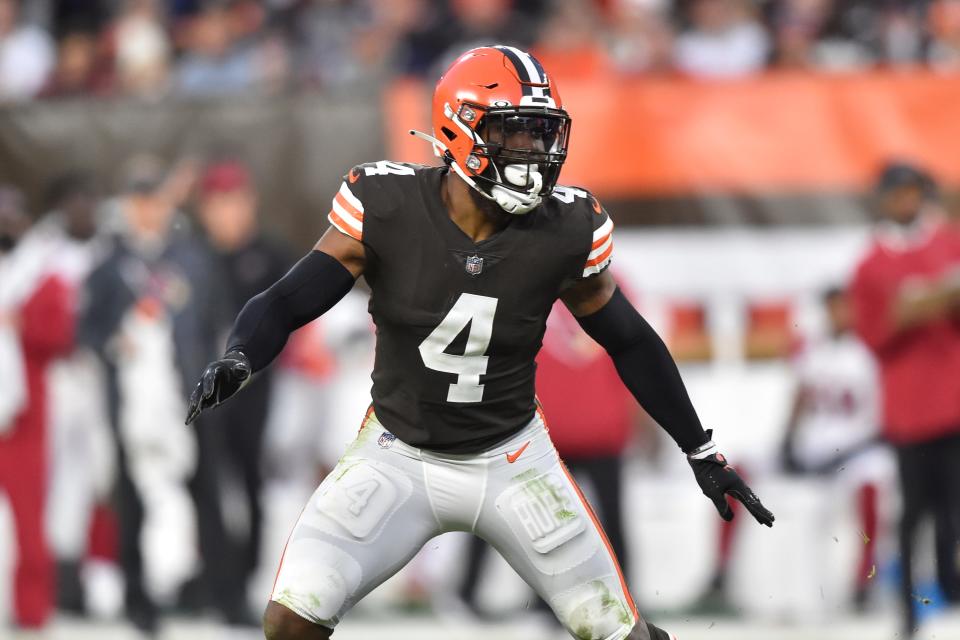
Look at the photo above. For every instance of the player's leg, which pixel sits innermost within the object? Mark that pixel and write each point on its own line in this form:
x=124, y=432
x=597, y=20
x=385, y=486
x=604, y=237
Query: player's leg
x=913, y=487
x=536, y=517
x=867, y=510
x=33, y=582
x=947, y=516
x=367, y=519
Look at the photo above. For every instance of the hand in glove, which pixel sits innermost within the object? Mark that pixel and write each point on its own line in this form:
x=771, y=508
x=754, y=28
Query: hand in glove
x=220, y=380
x=717, y=479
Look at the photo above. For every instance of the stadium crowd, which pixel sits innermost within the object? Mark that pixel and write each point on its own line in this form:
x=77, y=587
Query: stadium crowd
x=152, y=49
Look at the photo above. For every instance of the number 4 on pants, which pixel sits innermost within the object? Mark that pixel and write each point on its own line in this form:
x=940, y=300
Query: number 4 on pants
x=478, y=311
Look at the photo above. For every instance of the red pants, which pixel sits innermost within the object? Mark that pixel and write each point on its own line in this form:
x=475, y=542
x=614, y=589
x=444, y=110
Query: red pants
x=23, y=480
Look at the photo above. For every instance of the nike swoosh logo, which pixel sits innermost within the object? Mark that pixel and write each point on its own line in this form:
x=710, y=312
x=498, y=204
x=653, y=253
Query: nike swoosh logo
x=512, y=457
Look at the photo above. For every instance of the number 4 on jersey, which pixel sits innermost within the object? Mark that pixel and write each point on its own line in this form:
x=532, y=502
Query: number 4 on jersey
x=478, y=311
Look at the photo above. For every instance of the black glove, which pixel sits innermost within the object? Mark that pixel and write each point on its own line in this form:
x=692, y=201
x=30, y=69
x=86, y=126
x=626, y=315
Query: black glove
x=220, y=380
x=717, y=479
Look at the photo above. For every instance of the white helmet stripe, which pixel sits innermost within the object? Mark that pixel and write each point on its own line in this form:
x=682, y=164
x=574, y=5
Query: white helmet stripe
x=528, y=64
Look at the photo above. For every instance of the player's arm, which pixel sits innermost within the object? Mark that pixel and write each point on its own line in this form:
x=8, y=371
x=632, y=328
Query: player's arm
x=918, y=303
x=797, y=408
x=649, y=372
x=313, y=286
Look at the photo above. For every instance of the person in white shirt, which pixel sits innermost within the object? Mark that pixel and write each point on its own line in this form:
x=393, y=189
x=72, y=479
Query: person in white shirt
x=27, y=55
x=834, y=428
x=724, y=41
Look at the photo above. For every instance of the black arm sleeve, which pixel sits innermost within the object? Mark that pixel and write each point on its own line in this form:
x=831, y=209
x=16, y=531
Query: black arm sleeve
x=316, y=283
x=646, y=368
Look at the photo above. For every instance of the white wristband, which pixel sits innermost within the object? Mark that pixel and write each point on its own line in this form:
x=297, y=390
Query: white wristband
x=703, y=451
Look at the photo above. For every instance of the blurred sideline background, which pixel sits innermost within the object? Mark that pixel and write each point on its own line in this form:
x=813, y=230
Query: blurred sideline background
x=736, y=143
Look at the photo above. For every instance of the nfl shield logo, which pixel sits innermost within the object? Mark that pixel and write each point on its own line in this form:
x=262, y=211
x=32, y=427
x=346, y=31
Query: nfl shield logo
x=474, y=265
x=386, y=440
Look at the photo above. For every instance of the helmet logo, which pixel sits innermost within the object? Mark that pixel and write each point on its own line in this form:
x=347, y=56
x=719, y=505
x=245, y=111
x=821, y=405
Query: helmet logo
x=502, y=103
x=473, y=162
x=467, y=114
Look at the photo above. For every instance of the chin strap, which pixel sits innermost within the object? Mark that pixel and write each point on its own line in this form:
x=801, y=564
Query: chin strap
x=513, y=202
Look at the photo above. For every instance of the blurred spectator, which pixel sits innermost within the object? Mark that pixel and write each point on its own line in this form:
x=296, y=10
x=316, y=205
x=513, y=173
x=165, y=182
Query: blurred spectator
x=36, y=326
x=141, y=317
x=141, y=49
x=26, y=55
x=724, y=40
x=339, y=41
x=480, y=23
x=833, y=431
x=460, y=25
x=78, y=71
x=902, y=39
x=797, y=25
x=944, y=20
x=81, y=465
x=70, y=16
x=906, y=295
x=250, y=262
x=568, y=42
x=217, y=62
x=641, y=39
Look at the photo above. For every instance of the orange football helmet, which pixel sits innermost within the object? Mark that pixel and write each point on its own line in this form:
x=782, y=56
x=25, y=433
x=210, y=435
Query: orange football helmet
x=499, y=123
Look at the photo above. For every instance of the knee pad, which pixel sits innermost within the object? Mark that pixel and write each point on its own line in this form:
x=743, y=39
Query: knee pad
x=317, y=592
x=595, y=611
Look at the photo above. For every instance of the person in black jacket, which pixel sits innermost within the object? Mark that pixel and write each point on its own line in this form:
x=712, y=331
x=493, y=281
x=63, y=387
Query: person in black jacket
x=140, y=314
x=250, y=262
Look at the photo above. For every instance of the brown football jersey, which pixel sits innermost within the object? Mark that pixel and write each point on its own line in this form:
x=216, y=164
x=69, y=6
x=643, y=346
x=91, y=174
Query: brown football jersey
x=460, y=323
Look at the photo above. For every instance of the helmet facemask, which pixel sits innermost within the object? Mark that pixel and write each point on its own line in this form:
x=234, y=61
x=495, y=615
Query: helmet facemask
x=518, y=154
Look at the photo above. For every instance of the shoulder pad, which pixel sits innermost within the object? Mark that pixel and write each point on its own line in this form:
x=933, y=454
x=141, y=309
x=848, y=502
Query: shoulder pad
x=583, y=203
x=371, y=188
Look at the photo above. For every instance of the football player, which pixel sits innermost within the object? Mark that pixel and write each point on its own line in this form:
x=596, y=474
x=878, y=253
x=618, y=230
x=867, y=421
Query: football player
x=464, y=262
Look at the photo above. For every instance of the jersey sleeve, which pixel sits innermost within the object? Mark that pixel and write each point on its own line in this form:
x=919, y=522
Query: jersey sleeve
x=346, y=211
x=601, y=247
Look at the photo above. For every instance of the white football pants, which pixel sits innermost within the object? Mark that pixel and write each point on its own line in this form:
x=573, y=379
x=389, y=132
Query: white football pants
x=385, y=500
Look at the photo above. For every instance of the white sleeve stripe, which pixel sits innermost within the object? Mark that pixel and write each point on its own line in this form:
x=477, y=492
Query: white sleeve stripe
x=352, y=199
x=597, y=268
x=347, y=217
x=604, y=229
x=346, y=231
x=599, y=250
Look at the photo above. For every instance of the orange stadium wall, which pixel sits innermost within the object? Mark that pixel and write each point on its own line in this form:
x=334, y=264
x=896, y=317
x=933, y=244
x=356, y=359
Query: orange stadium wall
x=773, y=133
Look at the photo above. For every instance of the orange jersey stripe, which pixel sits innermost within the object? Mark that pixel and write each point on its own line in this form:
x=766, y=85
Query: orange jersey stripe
x=349, y=208
x=600, y=258
x=599, y=243
x=606, y=542
x=366, y=417
x=343, y=225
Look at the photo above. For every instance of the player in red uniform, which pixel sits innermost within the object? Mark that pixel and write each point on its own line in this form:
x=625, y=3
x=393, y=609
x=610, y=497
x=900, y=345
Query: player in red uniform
x=464, y=263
